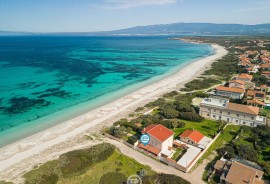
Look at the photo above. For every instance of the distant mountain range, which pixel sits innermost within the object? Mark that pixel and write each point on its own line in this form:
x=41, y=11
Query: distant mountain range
x=172, y=29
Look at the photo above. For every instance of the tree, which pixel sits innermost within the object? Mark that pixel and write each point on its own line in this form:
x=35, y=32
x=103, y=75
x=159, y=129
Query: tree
x=227, y=152
x=174, y=124
x=247, y=152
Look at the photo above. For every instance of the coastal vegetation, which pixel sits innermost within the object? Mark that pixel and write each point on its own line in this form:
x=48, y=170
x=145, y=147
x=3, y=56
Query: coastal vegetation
x=101, y=164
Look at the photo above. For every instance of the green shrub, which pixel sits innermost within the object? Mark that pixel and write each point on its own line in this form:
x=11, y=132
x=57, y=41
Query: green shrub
x=191, y=116
x=75, y=162
x=139, y=109
x=165, y=179
x=111, y=178
x=132, y=140
x=158, y=102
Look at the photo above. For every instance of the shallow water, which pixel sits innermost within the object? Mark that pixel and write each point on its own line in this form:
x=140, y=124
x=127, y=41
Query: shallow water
x=43, y=75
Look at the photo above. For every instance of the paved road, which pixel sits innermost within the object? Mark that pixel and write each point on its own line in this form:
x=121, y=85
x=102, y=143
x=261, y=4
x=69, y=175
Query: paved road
x=194, y=177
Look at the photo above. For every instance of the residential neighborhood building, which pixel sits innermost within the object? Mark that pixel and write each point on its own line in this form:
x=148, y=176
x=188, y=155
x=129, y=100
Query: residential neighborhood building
x=237, y=84
x=244, y=77
x=221, y=109
x=230, y=92
x=235, y=172
x=256, y=103
x=161, y=140
x=195, y=138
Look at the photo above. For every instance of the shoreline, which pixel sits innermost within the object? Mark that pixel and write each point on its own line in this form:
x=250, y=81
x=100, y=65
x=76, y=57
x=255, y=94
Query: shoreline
x=50, y=143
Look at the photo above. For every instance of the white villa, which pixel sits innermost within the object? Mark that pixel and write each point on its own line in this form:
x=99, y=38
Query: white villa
x=218, y=108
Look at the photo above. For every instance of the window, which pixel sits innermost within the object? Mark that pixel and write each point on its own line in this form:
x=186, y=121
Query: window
x=251, y=124
x=219, y=117
x=236, y=121
x=214, y=116
x=252, y=118
x=238, y=115
x=244, y=123
x=220, y=112
x=228, y=119
x=229, y=113
x=208, y=115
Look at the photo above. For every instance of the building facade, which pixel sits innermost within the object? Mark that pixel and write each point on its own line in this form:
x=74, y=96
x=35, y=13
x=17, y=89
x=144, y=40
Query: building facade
x=233, y=93
x=221, y=109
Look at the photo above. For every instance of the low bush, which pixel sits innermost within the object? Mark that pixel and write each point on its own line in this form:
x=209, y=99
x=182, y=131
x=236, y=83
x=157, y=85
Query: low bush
x=75, y=162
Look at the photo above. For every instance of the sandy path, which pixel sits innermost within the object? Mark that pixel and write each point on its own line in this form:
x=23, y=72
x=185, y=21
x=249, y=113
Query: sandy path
x=64, y=136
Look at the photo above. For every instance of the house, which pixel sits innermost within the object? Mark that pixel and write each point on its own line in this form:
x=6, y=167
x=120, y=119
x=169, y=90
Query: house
x=237, y=84
x=217, y=108
x=256, y=103
x=195, y=138
x=265, y=66
x=234, y=93
x=250, y=94
x=266, y=73
x=161, y=140
x=244, y=77
x=235, y=172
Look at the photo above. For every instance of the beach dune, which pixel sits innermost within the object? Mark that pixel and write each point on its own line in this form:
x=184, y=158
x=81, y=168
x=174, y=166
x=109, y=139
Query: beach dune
x=23, y=155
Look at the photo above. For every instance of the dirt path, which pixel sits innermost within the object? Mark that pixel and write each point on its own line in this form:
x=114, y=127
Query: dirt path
x=194, y=177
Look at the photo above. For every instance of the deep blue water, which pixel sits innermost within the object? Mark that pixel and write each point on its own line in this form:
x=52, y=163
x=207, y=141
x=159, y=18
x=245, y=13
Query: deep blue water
x=42, y=75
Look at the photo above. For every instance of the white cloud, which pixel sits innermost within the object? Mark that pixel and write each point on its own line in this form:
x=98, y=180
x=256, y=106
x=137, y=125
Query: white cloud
x=125, y=4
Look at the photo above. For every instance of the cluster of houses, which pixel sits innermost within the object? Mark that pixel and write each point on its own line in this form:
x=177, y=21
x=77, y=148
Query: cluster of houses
x=163, y=145
x=238, y=172
x=219, y=107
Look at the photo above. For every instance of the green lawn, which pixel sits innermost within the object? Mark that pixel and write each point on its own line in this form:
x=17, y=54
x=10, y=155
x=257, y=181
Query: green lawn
x=227, y=135
x=208, y=128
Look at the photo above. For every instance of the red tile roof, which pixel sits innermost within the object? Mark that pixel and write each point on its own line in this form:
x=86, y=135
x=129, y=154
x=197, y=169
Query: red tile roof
x=159, y=131
x=250, y=92
x=234, y=90
x=149, y=148
x=243, y=108
x=194, y=135
x=245, y=76
x=237, y=81
x=255, y=101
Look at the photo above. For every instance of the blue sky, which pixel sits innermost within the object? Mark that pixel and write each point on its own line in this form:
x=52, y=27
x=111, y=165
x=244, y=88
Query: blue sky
x=99, y=15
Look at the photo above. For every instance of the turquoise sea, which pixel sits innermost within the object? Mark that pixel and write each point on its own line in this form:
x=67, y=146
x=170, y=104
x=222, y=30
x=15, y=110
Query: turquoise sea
x=46, y=80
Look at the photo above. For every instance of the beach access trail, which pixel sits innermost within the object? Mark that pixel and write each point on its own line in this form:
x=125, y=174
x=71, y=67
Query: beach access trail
x=21, y=156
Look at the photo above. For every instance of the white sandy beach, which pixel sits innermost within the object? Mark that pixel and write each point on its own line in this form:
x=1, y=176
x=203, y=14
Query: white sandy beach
x=23, y=155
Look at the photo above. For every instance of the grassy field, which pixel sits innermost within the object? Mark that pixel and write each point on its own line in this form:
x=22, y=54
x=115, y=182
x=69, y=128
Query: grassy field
x=208, y=128
x=117, y=163
x=227, y=135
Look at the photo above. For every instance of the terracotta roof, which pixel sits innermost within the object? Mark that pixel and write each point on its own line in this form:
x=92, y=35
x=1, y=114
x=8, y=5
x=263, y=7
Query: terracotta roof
x=237, y=81
x=265, y=65
x=263, y=86
x=149, y=128
x=234, y=90
x=149, y=148
x=245, y=76
x=159, y=131
x=242, y=174
x=243, y=108
x=255, y=101
x=194, y=135
x=250, y=93
x=266, y=73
